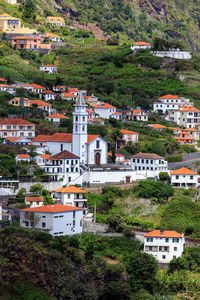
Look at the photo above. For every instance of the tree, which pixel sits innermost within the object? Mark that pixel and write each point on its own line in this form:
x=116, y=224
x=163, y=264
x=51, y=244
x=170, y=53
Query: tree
x=20, y=197
x=113, y=157
x=36, y=189
x=29, y=11
x=47, y=199
x=116, y=290
x=164, y=176
x=177, y=264
x=142, y=268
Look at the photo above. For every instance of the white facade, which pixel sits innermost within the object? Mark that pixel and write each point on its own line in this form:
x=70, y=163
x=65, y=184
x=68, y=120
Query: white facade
x=184, y=177
x=22, y=157
x=16, y=128
x=105, y=110
x=7, y=88
x=50, y=69
x=164, y=245
x=149, y=162
x=47, y=95
x=170, y=102
x=186, y=116
x=34, y=201
x=173, y=53
x=140, y=45
x=117, y=115
x=97, y=151
x=71, y=195
x=56, y=219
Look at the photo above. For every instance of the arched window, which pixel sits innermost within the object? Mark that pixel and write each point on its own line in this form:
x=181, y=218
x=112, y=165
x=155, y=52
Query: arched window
x=76, y=119
x=83, y=119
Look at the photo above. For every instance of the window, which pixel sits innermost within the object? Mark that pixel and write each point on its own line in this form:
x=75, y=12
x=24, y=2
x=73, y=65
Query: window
x=61, y=147
x=177, y=176
x=43, y=216
x=191, y=177
x=97, y=144
x=83, y=119
x=69, y=179
x=138, y=160
x=76, y=119
x=149, y=239
x=43, y=225
x=166, y=240
x=76, y=161
x=133, y=160
x=83, y=128
x=142, y=161
x=74, y=214
x=163, y=256
x=175, y=240
x=74, y=223
x=175, y=248
x=76, y=169
x=61, y=217
x=68, y=196
x=27, y=223
x=147, y=161
x=72, y=169
x=67, y=162
x=151, y=161
x=67, y=169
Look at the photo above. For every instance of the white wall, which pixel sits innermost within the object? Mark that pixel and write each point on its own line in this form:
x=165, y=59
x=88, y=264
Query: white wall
x=173, y=54
x=184, y=180
x=92, y=150
x=104, y=113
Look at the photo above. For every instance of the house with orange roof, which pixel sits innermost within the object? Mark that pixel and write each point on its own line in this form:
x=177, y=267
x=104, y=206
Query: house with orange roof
x=140, y=46
x=56, y=219
x=157, y=127
x=16, y=128
x=117, y=115
x=33, y=201
x=47, y=95
x=50, y=69
x=119, y=158
x=55, y=21
x=188, y=136
x=42, y=105
x=11, y=89
x=186, y=116
x=31, y=43
x=127, y=136
x=70, y=195
x=170, y=102
x=22, y=157
x=68, y=96
x=51, y=36
x=74, y=91
x=135, y=115
x=184, y=177
x=19, y=101
x=18, y=140
x=105, y=110
x=164, y=245
x=95, y=121
x=56, y=118
x=91, y=100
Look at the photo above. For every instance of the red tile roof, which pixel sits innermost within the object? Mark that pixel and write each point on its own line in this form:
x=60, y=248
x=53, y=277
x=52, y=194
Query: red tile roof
x=13, y=139
x=169, y=96
x=34, y=199
x=48, y=92
x=75, y=90
x=23, y=156
x=64, y=155
x=41, y=138
x=189, y=108
x=124, y=131
x=57, y=116
x=50, y=65
x=15, y=122
x=147, y=156
x=117, y=113
x=70, y=189
x=45, y=156
x=164, y=233
x=104, y=106
x=69, y=95
x=183, y=171
x=40, y=103
x=91, y=137
x=141, y=44
x=53, y=208
x=56, y=137
x=157, y=126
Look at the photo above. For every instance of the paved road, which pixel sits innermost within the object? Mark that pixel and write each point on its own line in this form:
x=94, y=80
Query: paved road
x=186, y=163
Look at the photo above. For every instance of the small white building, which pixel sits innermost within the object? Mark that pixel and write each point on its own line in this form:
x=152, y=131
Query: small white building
x=56, y=118
x=173, y=53
x=140, y=45
x=70, y=195
x=149, y=162
x=48, y=95
x=22, y=157
x=184, y=177
x=105, y=110
x=136, y=115
x=7, y=88
x=186, y=116
x=34, y=201
x=56, y=219
x=42, y=105
x=16, y=128
x=50, y=69
x=117, y=115
x=164, y=245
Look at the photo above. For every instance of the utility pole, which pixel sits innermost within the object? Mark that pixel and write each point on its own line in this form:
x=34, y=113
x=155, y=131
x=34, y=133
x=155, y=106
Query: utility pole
x=95, y=212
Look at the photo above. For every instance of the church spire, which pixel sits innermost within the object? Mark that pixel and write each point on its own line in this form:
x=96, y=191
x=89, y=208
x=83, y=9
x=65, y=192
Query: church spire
x=80, y=101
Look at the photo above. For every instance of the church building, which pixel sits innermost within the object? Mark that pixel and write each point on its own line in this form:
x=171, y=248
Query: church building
x=90, y=148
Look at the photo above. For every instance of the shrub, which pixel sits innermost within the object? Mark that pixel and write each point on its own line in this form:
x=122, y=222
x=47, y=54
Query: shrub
x=174, y=158
x=116, y=290
x=164, y=176
x=150, y=189
x=177, y=264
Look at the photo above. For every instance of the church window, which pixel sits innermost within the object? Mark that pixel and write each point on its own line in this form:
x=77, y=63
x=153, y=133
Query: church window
x=76, y=128
x=83, y=127
x=76, y=119
x=61, y=147
x=83, y=119
x=97, y=144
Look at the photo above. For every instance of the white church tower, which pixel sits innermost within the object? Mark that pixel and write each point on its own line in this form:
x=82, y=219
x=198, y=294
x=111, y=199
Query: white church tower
x=79, y=136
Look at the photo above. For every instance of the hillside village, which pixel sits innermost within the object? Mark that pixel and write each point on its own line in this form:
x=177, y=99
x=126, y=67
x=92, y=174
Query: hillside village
x=75, y=162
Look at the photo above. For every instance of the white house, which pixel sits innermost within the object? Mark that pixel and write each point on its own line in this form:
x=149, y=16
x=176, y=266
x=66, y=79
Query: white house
x=92, y=149
x=34, y=201
x=31, y=87
x=187, y=116
x=18, y=140
x=117, y=115
x=169, y=102
x=48, y=95
x=50, y=69
x=70, y=195
x=56, y=219
x=164, y=245
x=7, y=88
x=56, y=118
x=140, y=45
x=42, y=105
x=150, y=162
x=136, y=115
x=105, y=110
x=157, y=127
x=22, y=157
x=184, y=177
x=16, y=128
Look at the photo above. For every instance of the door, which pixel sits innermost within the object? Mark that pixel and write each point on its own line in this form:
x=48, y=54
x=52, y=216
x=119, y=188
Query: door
x=97, y=158
x=128, y=179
